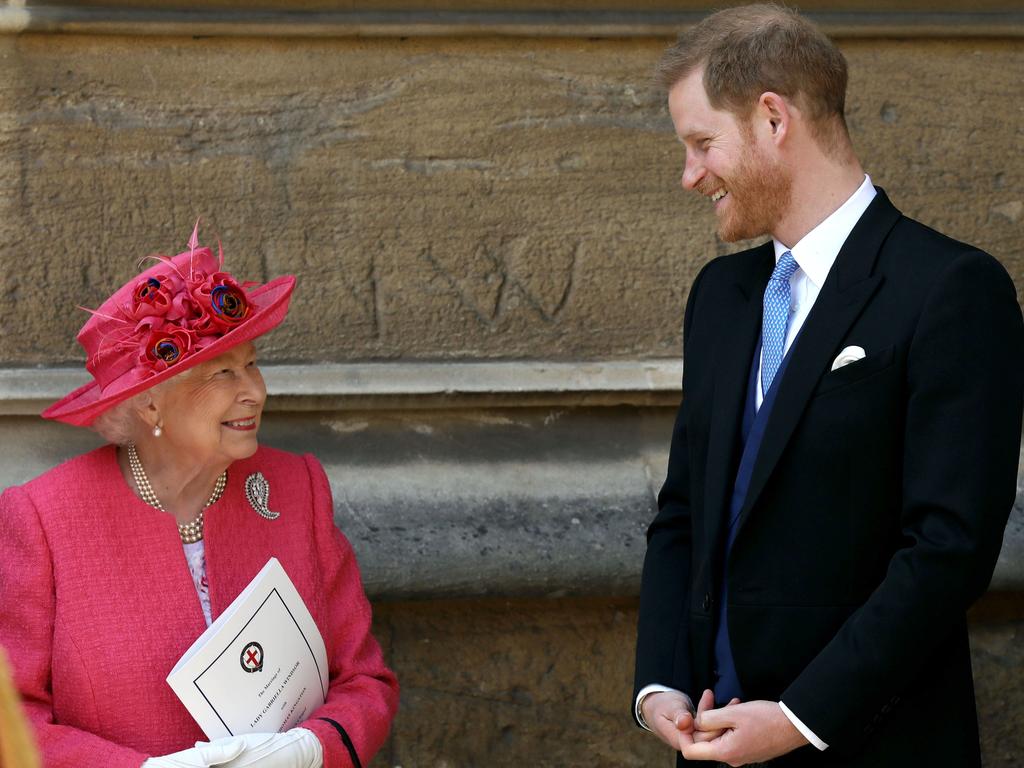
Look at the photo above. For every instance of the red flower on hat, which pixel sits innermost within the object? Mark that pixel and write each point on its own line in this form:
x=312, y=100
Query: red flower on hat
x=175, y=314
x=223, y=304
x=151, y=296
x=167, y=346
x=158, y=296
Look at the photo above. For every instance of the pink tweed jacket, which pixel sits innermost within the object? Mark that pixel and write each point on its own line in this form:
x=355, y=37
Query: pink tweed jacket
x=97, y=604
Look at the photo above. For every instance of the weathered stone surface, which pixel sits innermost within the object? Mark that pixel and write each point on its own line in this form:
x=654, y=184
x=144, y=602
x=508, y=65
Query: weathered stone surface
x=997, y=655
x=372, y=5
x=542, y=502
x=438, y=198
x=514, y=683
x=523, y=19
x=548, y=683
x=398, y=385
x=501, y=502
x=242, y=9
x=459, y=199
x=1010, y=567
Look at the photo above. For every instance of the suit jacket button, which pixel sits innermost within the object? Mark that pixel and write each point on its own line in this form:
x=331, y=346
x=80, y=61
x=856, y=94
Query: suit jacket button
x=706, y=605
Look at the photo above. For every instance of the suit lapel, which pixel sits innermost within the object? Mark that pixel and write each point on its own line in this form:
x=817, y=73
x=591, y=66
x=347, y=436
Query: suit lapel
x=741, y=325
x=847, y=290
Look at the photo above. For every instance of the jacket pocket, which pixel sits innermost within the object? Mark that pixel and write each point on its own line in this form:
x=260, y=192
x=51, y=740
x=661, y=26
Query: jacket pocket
x=856, y=371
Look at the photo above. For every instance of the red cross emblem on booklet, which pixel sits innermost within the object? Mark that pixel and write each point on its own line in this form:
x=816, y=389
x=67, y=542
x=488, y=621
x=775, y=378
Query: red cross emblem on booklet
x=252, y=657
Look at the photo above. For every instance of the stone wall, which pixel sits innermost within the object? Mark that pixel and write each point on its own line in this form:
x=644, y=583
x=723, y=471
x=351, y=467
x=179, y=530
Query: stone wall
x=540, y=683
x=443, y=198
x=453, y=189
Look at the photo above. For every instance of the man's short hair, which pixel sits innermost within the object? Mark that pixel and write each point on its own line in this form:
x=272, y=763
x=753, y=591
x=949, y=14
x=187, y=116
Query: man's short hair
x=751, y=49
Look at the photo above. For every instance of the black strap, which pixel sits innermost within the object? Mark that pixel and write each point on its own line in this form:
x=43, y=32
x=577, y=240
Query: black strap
x=348, y=742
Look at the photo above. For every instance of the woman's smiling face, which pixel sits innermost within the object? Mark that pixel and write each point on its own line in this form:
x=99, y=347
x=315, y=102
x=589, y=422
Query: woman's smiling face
x=213, y=413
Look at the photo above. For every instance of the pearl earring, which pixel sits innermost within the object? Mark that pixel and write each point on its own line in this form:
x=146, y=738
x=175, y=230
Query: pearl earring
x=157, y=431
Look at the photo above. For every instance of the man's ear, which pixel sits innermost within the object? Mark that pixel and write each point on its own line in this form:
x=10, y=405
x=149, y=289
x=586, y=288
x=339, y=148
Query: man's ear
x=775, y=114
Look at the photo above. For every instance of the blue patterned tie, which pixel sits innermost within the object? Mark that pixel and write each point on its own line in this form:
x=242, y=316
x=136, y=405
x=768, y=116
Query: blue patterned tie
x=775, y=322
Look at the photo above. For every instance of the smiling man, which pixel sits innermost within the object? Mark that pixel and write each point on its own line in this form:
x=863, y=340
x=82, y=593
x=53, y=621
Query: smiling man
x=845, y=456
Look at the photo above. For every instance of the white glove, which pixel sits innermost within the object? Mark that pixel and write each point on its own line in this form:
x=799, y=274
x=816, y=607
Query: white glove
x=198, y=757
x=297, y=748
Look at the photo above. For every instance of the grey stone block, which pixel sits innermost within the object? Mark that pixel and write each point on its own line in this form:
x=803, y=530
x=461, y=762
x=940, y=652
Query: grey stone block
x=465, y=502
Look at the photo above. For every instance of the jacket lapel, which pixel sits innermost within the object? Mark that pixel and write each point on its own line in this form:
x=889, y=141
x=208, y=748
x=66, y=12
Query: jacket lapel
x=741, y=325
x=847, y=290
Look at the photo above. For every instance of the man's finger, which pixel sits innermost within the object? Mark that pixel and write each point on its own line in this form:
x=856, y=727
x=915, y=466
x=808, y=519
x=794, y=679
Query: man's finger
x=707, y=700
x=707, y=735
x=684, y=721
x=703, y=750
x=715, y=719
x=683, y=739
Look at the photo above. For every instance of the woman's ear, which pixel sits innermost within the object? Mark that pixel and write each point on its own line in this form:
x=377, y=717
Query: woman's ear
x=148, y=411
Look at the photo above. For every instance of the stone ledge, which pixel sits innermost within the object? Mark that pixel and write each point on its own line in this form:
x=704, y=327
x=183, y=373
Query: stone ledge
x=473, y=23
x=528, y=529
x=517, y=502
x=400, y=385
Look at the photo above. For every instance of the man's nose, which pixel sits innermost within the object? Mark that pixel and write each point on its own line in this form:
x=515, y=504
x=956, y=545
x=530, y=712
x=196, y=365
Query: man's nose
x=693, y=172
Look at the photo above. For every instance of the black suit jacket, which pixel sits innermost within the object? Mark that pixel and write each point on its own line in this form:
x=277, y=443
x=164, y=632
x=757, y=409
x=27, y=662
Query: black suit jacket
x=878, y=500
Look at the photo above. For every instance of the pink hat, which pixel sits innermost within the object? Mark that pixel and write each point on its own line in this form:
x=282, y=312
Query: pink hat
x=178, y=313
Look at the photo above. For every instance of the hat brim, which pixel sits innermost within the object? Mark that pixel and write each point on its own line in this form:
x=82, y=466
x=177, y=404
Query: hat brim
x=270, y=302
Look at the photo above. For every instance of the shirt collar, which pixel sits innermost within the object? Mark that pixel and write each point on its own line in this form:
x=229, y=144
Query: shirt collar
x=817, y=250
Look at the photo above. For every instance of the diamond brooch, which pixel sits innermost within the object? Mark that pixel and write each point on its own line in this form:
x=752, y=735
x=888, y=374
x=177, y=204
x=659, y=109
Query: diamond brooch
x=257, y=491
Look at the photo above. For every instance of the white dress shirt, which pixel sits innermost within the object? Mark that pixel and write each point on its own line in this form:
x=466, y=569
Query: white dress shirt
x=814, y=254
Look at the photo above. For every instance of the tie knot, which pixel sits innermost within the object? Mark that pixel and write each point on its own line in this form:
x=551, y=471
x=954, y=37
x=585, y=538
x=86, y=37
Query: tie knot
x=785, y=268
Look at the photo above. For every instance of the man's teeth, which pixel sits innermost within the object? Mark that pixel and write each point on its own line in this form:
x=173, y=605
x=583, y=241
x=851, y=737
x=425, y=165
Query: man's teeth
x=242, y=422
x=718, y=196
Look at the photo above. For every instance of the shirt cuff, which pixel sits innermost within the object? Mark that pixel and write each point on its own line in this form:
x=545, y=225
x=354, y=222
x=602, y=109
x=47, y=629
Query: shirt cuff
x=646, y=691
x=798, y=724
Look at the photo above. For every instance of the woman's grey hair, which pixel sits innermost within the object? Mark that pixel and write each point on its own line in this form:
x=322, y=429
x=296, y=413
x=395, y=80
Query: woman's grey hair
x=121, y=424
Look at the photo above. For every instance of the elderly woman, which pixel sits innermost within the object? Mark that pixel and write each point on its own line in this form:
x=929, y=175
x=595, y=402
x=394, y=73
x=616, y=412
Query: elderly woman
x=114, y=562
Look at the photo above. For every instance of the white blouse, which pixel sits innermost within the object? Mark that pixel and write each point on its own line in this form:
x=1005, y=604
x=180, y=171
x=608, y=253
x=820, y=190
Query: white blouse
x=195, y=555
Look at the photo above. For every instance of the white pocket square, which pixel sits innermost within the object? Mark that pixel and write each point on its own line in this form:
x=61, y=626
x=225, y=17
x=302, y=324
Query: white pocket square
x=847, y=356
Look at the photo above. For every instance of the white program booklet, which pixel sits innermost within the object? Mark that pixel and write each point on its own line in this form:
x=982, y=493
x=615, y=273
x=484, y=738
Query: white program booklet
x=261, y=667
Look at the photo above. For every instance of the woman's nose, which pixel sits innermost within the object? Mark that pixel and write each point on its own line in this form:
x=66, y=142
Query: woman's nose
x=254, y=391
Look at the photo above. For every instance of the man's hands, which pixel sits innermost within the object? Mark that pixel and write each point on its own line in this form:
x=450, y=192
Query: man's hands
x=736, y=734
x=753, y=732
x=670, y=715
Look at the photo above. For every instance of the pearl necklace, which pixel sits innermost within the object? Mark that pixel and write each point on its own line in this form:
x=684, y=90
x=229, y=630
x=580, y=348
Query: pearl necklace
x=190, y=532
